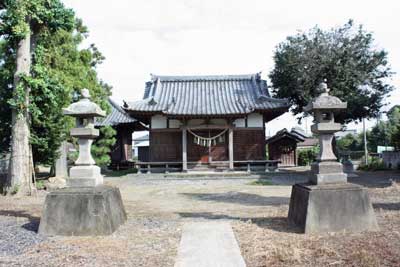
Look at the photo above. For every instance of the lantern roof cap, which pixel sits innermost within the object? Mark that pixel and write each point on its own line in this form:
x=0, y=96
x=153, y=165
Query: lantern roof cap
x=325, y=101
x=84, y=108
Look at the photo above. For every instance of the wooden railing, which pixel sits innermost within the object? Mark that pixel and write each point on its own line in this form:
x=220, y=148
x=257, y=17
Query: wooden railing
x=247, y=165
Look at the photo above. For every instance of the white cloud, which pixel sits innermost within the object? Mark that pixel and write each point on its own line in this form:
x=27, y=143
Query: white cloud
x=217, y=36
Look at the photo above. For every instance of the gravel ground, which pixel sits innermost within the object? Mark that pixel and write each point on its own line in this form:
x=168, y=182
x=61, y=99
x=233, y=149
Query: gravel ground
x=157, y=206
x=16, y=235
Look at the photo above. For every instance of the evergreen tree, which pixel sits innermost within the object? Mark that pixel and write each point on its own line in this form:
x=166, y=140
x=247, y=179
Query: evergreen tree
x=355, y=70
x=58, y=69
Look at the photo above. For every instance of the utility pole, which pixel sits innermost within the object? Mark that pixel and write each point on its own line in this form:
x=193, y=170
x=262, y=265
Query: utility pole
x=365, y=143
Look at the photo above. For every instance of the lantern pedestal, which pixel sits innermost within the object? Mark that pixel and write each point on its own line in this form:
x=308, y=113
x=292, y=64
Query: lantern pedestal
x=86, y=206
x=328, y=172
x=328, y=203
x=84, y=211
x=83, y=176
x=331, y=208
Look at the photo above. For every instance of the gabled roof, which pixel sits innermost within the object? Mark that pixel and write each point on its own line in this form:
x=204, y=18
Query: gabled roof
x=117, y=116
x=293, y=134
x=308, y=142
x=206, y=95
x=142, y=138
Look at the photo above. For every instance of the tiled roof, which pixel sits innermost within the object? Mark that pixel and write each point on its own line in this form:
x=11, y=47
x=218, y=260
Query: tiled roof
x=142, y=138
x=308, y=142
x=206, y=95
x=293, y=134
x=116, y=116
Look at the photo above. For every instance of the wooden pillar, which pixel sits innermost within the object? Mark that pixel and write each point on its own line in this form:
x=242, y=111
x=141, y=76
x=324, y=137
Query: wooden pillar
x=231, y=148
x=184, y=149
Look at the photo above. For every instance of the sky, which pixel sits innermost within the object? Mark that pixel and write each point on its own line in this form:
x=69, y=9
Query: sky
x=195, y=37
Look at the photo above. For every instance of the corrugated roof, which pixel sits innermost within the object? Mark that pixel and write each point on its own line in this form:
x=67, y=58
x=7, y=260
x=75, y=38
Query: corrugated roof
x=206, y=95
x=116, y=116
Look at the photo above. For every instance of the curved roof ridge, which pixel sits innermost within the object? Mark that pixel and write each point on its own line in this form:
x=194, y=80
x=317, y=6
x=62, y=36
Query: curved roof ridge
x=205, y=77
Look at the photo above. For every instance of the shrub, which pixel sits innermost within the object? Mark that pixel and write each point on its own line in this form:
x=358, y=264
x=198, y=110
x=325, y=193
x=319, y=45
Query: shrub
x=40, y=185
x=374, y=164
x=307, y=156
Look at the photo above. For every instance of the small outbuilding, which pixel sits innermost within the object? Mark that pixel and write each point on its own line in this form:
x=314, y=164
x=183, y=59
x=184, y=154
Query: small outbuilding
x=141, y=147
x=282, y=146
x=125, y=125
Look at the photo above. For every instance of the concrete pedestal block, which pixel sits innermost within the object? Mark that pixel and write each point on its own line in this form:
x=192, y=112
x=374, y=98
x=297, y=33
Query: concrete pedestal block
x=327, y=172
x=85, y=176
x=331, y=208
x=89, y=211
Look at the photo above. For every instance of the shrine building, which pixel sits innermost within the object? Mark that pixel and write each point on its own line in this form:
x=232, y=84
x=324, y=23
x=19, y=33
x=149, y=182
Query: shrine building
x=213, y=121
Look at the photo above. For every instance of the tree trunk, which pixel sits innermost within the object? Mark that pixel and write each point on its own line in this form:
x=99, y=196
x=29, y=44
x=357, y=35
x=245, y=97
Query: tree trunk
x=20, y=175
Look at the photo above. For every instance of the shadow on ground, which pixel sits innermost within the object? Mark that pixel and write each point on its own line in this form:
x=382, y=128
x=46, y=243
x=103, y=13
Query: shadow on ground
x=239, y=198
x=387, y=206
x=377, y=179
x=32, y=225
x=279, y=224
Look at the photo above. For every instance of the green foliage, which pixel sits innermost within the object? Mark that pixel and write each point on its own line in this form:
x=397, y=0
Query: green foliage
x=102, y=146
x=120, y=173
x=307, y=156
x=374, y=164
x=386, y=133
x=60, y=69
x=40, y=185
x=395, y=138
x=356, y=71
x=350, y=142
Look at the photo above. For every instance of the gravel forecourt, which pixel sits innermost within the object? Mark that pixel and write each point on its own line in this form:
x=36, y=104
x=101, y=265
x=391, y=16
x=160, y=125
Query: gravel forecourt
x=157, y=206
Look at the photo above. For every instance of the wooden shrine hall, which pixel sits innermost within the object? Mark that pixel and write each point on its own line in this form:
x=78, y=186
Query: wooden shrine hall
x=206, y=122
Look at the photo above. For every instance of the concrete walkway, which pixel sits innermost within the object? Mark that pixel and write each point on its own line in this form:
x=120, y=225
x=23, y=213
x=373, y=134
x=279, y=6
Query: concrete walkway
x=208, y=244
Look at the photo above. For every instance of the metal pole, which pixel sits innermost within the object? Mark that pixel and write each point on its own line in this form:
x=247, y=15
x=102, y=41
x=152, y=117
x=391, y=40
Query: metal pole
x=365, y=143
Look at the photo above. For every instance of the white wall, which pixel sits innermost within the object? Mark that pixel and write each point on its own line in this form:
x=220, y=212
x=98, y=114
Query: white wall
x=255, y=120
x=240, y=123
x=174, y=124
x=158, y=122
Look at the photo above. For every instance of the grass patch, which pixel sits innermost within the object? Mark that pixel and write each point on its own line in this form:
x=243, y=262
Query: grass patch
x=261, y=182
x=121, y=172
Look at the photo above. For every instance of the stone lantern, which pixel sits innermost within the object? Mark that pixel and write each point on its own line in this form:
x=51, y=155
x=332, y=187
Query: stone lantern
x=327, y=203
x=85, y=172
x=326, y=169
x=85, y=206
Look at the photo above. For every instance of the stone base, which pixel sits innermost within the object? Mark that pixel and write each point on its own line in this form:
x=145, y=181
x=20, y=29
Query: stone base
x=85, y=176
x=331, y=208
x=327, y=172
x=82, y=212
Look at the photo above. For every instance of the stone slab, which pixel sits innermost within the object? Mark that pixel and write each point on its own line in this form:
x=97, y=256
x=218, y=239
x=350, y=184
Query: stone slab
x=85, y=176
x=208, y=244
x=87, y=211
x=327, y=172
x=331, y=208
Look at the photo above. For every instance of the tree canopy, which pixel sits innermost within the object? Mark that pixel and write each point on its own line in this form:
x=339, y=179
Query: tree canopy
x=59, y=70
x=346, y=57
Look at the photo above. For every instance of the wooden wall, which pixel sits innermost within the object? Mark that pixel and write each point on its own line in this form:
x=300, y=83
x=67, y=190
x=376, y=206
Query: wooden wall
x=165, y=145
x=283, y=149
x=249, y=144
x=122, y=150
